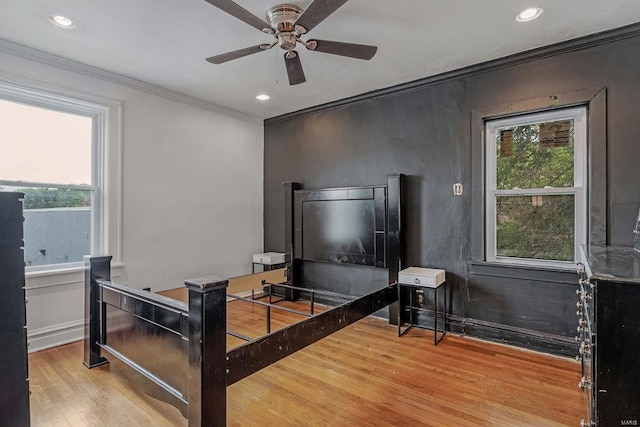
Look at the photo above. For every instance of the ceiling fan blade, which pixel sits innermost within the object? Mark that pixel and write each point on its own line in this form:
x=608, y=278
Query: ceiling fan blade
x=294, y=68
x=317, y=12
x=239, y=12
x=352, y=50
x=225, y=57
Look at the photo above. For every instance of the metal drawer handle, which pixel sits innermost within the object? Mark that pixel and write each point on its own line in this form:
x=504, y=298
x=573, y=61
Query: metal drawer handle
x=416, y=281
x=584, y=383
x=584, y=348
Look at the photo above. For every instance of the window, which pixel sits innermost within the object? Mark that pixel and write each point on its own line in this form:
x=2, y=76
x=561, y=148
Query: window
x=535, y=188
x=52, y=149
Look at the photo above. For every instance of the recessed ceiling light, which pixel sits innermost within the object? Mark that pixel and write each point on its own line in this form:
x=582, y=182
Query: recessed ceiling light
x=529, y=14
x=62, y=22
x=263, y=97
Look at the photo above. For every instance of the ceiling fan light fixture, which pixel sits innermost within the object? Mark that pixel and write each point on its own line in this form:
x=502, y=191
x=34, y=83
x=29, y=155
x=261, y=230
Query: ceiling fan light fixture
x=263, y=97
x=62, y=22
x=529, y=14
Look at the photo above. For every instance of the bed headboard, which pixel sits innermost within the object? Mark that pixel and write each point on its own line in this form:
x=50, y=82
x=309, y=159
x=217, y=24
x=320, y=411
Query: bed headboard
x=352, y=225
x=341, y=225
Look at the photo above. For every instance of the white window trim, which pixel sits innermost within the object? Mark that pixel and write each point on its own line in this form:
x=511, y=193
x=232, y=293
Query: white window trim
x=106, y=221
x=579, y=116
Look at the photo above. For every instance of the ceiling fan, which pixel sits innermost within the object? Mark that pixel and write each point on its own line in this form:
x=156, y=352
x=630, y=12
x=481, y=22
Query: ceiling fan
x=287, y=24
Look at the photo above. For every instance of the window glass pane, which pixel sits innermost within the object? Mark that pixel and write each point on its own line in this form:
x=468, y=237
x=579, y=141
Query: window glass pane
x=539, y=227
x=40, y=145
x=57, y=224
x=535, y=156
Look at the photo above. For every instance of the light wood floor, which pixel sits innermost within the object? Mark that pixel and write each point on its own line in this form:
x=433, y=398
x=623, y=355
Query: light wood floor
x=363, y=375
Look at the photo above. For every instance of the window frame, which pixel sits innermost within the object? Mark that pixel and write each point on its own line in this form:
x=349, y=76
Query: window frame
x=595, y=99
x=579, y=117
x=106, y=117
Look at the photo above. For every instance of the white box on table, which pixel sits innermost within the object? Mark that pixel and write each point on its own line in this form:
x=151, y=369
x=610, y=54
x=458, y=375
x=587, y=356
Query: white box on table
x=418, y=276
x=269, y=258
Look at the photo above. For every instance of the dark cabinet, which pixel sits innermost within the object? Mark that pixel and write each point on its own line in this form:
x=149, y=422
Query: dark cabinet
x=609, y=335
x=14, y=376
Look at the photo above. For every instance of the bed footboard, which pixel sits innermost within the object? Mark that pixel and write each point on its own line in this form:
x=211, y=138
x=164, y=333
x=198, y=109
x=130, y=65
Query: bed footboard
x=172, y=351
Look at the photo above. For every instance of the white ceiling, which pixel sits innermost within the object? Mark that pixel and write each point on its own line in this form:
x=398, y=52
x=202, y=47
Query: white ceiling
x=164, y=42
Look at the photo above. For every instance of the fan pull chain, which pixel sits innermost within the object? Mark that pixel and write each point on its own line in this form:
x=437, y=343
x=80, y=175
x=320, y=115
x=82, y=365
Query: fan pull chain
x=276, y=62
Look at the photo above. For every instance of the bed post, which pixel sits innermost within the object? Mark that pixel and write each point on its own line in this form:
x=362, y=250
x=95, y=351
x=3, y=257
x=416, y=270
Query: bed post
x=293, y=267
x=207, y=351
x=395, y=193
x=95, y=267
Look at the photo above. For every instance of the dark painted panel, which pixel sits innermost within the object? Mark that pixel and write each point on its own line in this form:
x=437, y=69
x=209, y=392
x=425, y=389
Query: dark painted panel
x=354, y=280
x=360, y=193
x=529, y=304
x=425, y=133
x=324, y=195
x=155, y=314
x=11, y=217
x=142, y=383
x=380, y=216
x=339, y=226
x=380, y=253
x=154, y=348
x=617, y=347
x=14, y=386
x=14, y=409
x=339, y=231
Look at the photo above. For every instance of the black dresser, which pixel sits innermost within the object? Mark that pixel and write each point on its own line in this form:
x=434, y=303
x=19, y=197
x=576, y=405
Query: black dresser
x=14, y=375
x=609, y=335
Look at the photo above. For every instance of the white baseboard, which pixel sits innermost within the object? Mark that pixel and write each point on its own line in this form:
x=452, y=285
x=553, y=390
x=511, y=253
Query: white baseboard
x=55, y=335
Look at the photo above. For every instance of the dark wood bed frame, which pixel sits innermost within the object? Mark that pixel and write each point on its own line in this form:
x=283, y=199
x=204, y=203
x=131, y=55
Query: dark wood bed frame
x=177, y=352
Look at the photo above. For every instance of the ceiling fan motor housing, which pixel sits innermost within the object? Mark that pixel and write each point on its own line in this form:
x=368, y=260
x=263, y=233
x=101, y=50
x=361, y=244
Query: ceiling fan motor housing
x=282, y=17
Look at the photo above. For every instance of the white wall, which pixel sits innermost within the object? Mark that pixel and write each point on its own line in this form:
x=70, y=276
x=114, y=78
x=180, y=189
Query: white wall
x=192, y=195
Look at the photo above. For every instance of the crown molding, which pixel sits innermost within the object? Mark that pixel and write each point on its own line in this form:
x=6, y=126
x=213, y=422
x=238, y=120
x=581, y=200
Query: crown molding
x=36, y=55
x=561, y=48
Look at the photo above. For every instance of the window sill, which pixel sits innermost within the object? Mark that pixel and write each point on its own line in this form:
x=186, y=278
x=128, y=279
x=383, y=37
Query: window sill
x=531, y=264
x=46, y=278
x=524, y=272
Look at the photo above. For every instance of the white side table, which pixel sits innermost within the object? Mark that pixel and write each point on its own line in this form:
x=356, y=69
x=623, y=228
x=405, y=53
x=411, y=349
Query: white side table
x=268, y=260
x=423, y=278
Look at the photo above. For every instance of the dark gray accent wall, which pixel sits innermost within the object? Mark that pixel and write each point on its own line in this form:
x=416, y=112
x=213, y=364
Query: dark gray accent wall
x=424, y=131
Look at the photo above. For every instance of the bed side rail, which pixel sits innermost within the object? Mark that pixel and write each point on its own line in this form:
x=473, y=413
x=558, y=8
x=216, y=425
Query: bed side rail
x=249, y=358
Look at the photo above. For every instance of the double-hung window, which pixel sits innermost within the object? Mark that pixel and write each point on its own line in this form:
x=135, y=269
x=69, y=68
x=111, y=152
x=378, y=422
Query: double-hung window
x=52, y=150
x=536, y=207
